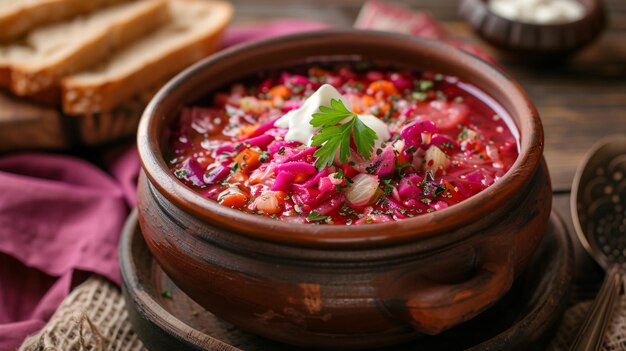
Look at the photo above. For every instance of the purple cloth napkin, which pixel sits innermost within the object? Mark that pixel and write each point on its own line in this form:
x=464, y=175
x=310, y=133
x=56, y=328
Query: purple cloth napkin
x=60, y=218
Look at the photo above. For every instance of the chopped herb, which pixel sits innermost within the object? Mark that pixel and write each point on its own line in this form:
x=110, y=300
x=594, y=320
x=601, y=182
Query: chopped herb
x=333, y=137
x=181, y=173
x=167, y=293
x=402, y=166
x=265, y=156
x=388, y=188
x=314, y=216
x=281, y=151
x=410, y=149
x=234, y=167
x=438, y=77
x=439, y=190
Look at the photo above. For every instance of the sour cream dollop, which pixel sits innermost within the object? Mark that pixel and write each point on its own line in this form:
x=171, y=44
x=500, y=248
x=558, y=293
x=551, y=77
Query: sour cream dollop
x=298, y=121
x=539, y=11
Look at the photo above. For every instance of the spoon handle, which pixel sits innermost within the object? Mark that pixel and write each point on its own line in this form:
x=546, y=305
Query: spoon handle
x=591, y=333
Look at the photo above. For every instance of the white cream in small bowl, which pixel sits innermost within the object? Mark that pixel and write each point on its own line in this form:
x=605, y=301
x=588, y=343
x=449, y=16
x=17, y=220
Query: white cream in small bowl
x=539, y=11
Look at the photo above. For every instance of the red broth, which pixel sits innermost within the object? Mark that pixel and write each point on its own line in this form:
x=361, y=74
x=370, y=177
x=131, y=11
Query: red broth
x=448, y=142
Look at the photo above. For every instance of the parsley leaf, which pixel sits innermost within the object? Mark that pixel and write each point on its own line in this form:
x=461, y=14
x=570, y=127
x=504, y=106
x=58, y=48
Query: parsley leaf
x=332, y=137
x=364, y=138
x=331, y=116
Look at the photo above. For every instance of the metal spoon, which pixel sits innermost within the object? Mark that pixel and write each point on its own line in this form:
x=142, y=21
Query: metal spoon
x=598, y=206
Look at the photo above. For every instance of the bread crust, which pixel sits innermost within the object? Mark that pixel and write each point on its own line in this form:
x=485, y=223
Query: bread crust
x=80, y=98
x=19, y=20
x=30, y=78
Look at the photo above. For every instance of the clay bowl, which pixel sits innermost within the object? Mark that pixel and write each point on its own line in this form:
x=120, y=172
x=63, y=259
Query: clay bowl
x=340, y=286
x=528, y=41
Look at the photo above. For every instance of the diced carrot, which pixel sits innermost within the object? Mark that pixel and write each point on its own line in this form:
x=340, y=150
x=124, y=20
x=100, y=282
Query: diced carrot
x=246, y=131
x=248, y=160
x=238, y=177
x=279, y=91
x=232, y=197
x=384, y=108
x=385, y=86
x=367, y=101
x=270, y=202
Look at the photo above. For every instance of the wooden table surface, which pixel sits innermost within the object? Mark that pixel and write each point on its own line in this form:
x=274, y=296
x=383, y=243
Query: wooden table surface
x=580, y=101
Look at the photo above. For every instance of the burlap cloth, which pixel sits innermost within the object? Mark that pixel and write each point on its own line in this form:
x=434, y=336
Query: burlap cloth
x=93, y=317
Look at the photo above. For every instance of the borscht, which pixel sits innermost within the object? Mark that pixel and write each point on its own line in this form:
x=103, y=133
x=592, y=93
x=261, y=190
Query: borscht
x=343, y=143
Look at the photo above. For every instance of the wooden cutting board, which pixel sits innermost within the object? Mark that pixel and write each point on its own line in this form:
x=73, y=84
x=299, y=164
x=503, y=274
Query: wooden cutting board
x=28, y=126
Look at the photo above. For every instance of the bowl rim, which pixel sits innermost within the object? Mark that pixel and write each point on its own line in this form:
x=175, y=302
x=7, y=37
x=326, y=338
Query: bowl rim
x=420, y=227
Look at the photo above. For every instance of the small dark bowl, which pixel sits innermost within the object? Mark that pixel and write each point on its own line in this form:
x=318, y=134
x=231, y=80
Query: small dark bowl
x=343, y=286
x=535, y=41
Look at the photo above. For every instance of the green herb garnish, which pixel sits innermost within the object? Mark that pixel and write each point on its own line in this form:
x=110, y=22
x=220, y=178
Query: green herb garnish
x=314, y=216
x=167, y=293
x=333, y=137
x=439, y=190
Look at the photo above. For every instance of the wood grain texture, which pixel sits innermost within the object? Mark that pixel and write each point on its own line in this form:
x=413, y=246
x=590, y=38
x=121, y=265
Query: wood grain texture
x=167, y=319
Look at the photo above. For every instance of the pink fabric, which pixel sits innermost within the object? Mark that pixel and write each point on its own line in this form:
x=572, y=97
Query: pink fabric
x=60, y=218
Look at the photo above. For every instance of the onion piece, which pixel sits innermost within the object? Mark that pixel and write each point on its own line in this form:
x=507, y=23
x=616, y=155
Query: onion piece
x=436, y=159
x=362, y=190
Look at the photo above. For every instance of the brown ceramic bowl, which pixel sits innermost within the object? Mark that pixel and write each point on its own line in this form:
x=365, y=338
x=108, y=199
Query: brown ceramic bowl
x=535, y=41
x=340, y=286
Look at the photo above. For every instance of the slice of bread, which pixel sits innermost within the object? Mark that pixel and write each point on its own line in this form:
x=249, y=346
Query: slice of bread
x=52, y=52
x=18, y=17
x=192, y=35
